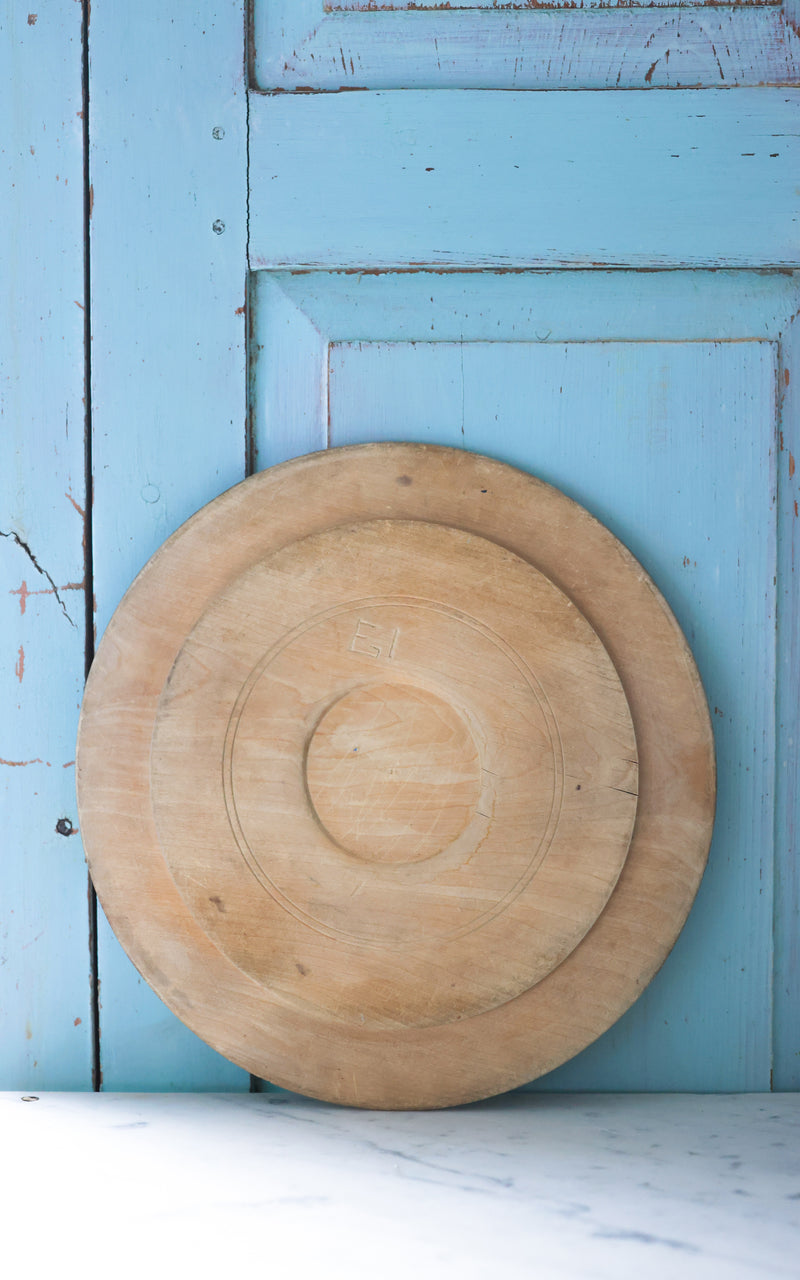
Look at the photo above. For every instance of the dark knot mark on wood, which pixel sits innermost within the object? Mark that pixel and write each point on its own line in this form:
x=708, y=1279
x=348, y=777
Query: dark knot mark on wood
x=404, y=480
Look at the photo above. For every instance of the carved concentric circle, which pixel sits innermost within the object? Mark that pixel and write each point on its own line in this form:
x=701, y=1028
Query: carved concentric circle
x=414, y=772
x=371, y=789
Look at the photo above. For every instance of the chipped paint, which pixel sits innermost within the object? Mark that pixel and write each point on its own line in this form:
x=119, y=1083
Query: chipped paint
x=70, y=498
x=24, y=592
x=637, y=44
x=19, y=669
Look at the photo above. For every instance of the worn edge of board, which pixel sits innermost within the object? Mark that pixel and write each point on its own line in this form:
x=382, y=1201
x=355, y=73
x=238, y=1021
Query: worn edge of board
x=600, y=44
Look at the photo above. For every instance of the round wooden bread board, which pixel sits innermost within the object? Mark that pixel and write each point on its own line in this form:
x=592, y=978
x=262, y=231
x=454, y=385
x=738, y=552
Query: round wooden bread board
x=395, y=776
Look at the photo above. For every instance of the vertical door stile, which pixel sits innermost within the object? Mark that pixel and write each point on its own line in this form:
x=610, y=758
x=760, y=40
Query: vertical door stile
x=168, y=244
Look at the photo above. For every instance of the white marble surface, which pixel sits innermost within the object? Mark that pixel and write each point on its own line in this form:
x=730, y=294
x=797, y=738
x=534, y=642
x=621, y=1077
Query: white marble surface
x=532, y=1185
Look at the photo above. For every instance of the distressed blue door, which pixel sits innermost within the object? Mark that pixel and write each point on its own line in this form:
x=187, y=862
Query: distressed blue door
x=399, y=224
x=561, y=236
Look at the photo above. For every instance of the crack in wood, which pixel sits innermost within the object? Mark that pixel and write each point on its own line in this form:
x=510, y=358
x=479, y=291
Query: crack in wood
x=24, y=546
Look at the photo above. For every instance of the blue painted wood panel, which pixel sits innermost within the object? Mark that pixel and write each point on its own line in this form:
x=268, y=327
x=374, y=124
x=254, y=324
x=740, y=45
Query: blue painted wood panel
x=168, y=370
x=45, y=1008
x=612, y=386
x=482, y=179
x=596, y=44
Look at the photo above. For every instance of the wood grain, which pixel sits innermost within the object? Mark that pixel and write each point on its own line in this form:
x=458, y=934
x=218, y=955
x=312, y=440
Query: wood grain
x=597, y=44
x=457, y=1022
x=490, y=742
x=393, y=772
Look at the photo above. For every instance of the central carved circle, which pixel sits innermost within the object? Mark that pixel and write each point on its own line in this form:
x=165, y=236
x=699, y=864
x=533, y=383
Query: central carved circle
x=393, y=773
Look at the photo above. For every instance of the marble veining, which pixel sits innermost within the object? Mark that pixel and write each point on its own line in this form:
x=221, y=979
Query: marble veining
x=529, y=1184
